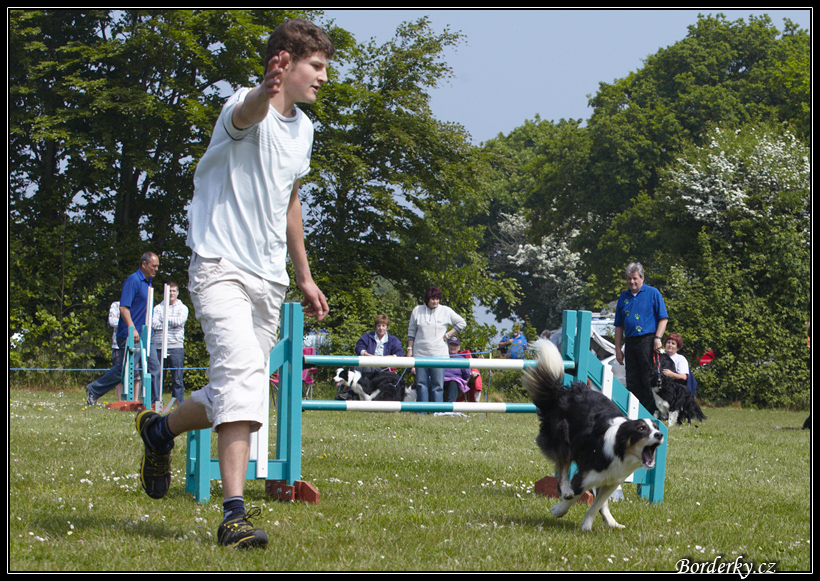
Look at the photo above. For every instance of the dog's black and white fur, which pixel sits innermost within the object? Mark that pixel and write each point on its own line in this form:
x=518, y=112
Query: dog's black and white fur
x=581, y=425
x=371, y=385
x=674, y=401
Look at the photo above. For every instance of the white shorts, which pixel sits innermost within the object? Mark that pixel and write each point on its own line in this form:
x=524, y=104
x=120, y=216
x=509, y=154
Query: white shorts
x=239, y=314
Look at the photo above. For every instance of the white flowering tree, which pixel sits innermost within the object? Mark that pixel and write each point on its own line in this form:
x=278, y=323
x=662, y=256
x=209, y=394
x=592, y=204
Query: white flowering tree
x=743, y=289
x=752, y=174
x=549, y=272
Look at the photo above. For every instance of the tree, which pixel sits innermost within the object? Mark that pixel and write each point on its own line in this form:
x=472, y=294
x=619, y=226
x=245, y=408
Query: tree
x=727, y=74
x=111, y=110
x=538, y=161
x=109, y=113
x=548, y=272
x=745, y=290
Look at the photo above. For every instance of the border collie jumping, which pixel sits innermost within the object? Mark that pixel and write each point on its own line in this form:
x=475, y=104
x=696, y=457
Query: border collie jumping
x=581, y=425
x=675, y=402
x=375, y=385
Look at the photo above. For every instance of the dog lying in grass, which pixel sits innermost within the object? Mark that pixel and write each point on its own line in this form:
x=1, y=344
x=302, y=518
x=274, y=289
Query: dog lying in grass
x=371, y=385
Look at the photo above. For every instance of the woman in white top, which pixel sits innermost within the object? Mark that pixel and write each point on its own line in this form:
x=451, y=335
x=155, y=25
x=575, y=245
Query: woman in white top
x=674, y=343
x=431, y=325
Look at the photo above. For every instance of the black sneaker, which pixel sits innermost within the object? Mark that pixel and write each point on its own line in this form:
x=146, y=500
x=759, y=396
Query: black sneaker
x=155, y=468
x=240, y=534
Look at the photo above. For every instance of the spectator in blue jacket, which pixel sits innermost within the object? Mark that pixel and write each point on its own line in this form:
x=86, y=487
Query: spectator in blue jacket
x=379, y=343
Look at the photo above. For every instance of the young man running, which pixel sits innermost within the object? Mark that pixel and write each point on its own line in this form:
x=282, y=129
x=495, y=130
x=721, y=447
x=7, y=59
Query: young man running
x=245, y=218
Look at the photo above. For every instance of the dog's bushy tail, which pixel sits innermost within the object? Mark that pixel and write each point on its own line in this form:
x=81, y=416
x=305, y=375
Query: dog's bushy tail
x=544, y=381
x=694, y=411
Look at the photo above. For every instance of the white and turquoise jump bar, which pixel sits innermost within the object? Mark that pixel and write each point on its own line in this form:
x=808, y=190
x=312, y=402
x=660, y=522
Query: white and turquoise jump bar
x=417, y=406
x=429, y=362
x=282, y=473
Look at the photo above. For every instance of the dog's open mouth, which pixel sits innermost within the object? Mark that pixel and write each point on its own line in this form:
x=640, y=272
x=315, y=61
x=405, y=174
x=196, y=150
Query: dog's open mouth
x=648, y=455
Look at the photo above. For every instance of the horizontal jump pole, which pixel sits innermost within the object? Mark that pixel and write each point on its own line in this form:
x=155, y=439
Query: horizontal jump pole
x=424, y=362
x=407, y=406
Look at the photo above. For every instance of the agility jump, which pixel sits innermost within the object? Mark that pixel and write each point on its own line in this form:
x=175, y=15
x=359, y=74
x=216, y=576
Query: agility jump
x=282, y=473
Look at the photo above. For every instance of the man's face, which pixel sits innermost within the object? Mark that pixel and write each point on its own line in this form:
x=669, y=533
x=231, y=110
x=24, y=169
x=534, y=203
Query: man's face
x=303, y=79
x=150, y=268
x=634, y=282
x=173, y=293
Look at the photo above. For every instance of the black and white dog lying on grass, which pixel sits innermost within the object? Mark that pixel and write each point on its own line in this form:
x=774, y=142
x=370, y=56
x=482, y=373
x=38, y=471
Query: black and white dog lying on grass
x=371, y=385
x=581, y=425
x=675, y=402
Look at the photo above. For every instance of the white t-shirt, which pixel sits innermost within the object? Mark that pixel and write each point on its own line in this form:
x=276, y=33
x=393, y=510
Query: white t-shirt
x=681, y=364
x=242, y=188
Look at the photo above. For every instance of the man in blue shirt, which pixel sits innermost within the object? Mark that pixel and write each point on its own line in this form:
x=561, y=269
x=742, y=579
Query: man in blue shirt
x=515, y=345
x=640, y=322
x=133, y=303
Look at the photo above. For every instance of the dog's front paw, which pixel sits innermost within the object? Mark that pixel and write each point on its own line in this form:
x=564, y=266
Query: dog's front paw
x=561, y=508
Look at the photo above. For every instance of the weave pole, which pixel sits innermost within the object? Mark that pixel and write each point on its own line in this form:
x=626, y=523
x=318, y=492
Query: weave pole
x=282, y=474
x=166, y=299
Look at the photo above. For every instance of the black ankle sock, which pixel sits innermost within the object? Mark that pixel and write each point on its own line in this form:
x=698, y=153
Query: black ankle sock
x=160, y=435
x=233, y=507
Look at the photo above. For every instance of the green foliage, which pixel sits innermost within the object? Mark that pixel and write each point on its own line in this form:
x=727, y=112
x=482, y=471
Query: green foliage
x=750, y=309
x=720, y=75
x=743, y=289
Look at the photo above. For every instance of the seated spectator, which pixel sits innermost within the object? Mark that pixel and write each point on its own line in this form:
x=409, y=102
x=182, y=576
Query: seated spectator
x=475, y=383
x=456, y=381
x=674, y=343
x=379, y=343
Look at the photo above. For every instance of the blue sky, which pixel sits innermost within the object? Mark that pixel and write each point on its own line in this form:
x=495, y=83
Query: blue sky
x=515, y=64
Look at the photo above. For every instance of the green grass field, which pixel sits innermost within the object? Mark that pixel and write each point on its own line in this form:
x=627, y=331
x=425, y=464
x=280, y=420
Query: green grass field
x=405, y=492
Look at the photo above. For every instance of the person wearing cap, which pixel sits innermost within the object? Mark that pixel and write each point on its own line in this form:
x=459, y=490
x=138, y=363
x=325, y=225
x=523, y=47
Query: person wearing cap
x=515, y=345
x=456, y=381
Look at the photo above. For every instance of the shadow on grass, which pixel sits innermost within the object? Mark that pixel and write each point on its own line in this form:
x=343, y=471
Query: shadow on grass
x=54, y=525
